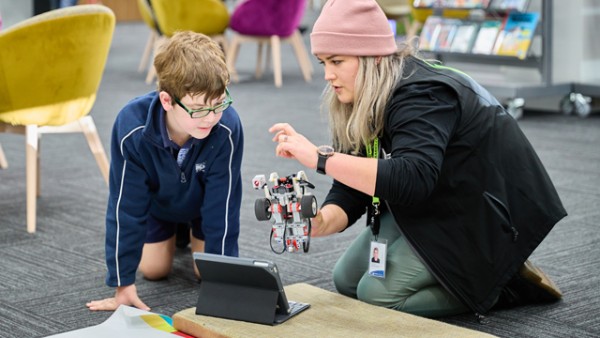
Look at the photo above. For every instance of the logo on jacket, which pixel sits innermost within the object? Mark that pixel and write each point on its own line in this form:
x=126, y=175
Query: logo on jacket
x=200, y=167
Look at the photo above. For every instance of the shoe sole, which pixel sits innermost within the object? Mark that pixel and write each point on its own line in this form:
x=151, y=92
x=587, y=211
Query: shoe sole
x=535, y=275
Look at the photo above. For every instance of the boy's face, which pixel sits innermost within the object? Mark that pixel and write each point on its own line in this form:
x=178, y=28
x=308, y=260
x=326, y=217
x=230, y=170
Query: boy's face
x=178, y=117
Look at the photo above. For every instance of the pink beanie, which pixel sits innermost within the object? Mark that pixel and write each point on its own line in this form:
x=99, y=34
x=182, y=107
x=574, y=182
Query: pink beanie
x=352, y=27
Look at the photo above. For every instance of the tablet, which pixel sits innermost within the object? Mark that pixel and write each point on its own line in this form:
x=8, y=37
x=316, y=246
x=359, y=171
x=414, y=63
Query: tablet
x=243, y=289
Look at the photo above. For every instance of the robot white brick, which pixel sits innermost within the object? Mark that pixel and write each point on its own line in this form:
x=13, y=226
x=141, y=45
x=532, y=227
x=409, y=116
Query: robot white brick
x=290, y=207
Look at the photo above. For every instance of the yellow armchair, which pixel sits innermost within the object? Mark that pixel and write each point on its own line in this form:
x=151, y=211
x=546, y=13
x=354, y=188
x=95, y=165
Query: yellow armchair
x=209, y=17
x=51, y=66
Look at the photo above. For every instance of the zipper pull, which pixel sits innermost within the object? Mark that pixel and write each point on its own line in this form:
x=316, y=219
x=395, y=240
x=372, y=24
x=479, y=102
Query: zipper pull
x=183, y=179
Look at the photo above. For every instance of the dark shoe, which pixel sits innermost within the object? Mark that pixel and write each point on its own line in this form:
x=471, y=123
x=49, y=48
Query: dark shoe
x=529, y=286
x=182, y=235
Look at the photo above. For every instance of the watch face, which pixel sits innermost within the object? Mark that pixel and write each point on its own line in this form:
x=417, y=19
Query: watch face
x=326, y=150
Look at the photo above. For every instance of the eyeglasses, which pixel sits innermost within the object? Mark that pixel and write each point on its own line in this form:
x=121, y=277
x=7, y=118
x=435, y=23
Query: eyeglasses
x=202, y=112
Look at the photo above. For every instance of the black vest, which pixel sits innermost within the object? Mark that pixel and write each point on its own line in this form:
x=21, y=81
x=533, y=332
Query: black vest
x=493, y=202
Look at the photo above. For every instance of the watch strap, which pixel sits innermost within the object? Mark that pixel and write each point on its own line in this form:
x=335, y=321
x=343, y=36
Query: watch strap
x=321, y=164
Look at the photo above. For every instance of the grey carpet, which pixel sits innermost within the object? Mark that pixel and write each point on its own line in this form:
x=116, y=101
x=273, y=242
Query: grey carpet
x=46, y=278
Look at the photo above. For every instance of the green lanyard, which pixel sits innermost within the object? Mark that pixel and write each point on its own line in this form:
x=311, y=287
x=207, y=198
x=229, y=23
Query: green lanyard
x=373, y=221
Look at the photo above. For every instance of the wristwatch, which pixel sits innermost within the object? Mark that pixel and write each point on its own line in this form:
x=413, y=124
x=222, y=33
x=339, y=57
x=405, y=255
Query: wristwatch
x=324, y=153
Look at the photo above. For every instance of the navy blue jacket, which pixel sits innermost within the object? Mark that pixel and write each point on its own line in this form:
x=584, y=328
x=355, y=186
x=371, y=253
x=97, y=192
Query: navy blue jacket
x=146, y=179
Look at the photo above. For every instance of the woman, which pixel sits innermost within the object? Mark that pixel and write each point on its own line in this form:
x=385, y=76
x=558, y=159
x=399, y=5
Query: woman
x=450, y=183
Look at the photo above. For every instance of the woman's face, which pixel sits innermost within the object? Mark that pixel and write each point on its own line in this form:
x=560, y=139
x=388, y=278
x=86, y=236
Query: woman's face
x=340, y=72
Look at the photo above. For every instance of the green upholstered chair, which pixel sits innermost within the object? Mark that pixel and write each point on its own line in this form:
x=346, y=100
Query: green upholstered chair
x=209, y=17
x=50, y=70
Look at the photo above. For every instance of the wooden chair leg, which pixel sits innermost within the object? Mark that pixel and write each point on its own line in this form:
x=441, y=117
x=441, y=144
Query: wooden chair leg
x=258, y=72
x=38, y=180
x=3, y=162
x=414, y=28
x=93, y=139
x=148, y=51
x=222, y=41
x=407, y=28
x=31, y=162
x=268, y=55
x=301, y=55
x=276, y=56
x=151, y=70
x=151, y=74
x=231, y=57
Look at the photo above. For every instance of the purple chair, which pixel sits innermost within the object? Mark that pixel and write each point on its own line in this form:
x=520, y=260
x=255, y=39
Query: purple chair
x=269, y=22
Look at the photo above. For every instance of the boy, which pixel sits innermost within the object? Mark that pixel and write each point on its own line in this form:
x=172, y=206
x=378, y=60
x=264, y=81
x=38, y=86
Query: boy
x=176, y=157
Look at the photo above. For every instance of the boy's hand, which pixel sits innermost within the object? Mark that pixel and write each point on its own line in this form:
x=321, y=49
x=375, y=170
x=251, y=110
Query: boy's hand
x=126, y=295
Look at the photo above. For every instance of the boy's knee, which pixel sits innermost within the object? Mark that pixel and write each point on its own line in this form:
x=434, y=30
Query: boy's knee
x=155, y=273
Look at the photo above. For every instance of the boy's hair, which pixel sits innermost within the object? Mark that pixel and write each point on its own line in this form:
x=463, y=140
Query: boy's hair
x=191, y=63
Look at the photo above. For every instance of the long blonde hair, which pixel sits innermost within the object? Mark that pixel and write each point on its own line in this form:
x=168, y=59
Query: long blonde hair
x=352, y=125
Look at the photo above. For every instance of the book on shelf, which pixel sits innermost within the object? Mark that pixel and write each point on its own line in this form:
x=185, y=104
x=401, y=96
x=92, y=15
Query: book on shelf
x=444, y=34
x=517, y=34
x=464, y=36
x=509, y=5
x=467, y=4
x=486, y=37
x=429, y=32
x=470, y=4
x=426, y=3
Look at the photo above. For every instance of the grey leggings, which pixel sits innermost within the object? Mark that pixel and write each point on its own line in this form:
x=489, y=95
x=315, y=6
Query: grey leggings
x=408, y=285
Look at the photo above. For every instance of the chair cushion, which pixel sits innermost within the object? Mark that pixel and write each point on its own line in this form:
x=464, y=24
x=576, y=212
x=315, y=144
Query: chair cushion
x=268, y=17
x=51, y=65
x=209, y=17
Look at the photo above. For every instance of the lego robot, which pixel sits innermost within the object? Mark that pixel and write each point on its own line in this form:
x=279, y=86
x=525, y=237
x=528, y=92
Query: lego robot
x=291, y=208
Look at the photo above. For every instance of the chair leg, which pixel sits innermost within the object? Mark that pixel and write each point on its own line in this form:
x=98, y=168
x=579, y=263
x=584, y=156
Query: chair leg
x=151, y=74
x=3, y=162
x=151, y=70
x=276, y=52
x=222, y=41
x=301, y=55
x=414, y=28
x=31, y=163
x=147, y=51
x=91, y=134
x=231, y=57
x=38, y=180
x=259, y=60
x=407, y=29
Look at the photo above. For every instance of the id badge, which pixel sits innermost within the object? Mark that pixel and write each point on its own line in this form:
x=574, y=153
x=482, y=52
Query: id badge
x=377, y=256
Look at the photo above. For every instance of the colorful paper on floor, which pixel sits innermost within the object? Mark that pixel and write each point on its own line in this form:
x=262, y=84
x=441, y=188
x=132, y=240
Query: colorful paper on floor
x=163, y=323
x=129, y=322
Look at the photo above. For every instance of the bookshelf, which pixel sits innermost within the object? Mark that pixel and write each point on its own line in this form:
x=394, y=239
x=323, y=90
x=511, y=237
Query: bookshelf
x=512, y=93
